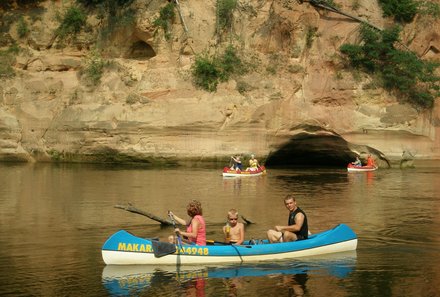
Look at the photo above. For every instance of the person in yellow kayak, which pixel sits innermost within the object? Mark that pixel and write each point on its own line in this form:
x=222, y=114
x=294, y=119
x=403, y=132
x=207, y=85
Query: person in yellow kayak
x=253, y=164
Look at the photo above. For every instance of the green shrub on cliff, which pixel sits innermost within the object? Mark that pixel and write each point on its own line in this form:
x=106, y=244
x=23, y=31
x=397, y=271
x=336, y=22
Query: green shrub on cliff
x=13, y=4
x=225, y=10
x=7, y=59
x=166, y=16
x=310, y=36
x=405, y=10
x=22, y=27
x=208, y=72
x=71, y=23
x=109, y=3
x=428, y=8
x=94, y=67
x=231, y=63
x=113, y=14
x=399, y=71
x=401, y=10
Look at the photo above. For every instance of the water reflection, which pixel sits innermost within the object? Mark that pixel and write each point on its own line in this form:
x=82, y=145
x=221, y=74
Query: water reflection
x=245, y=185
x=296, y=284
x=54, y=219
x=289, y=275
x=361, y=178
x=232, y=183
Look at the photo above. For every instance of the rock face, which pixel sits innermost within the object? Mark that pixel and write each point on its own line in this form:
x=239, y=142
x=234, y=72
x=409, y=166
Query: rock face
x=298, y=105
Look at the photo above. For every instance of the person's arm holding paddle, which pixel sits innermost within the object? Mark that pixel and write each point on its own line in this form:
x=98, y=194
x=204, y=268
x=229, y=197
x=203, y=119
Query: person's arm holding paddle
x=177, y=219
x=195, y=228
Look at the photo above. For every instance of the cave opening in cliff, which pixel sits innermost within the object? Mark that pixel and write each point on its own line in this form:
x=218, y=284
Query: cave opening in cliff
x=305, y=149
x=141, y=50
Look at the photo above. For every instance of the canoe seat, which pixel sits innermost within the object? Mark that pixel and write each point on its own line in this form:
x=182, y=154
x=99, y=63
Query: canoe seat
x=256, y=241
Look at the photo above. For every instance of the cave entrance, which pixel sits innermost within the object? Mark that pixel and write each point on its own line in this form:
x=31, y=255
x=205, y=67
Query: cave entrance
x=141, y=50
x=305, y=149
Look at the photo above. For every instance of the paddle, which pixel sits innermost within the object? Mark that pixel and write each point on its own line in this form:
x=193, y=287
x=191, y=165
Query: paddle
x=213, y=242
x=179, y=240
x=161, y=249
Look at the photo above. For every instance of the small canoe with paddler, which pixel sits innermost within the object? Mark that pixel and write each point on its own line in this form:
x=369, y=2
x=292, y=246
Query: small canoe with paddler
x=124, y=248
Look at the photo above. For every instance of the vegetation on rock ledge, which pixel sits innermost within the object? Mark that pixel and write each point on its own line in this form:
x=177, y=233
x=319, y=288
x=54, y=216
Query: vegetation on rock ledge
x=399, y=71
x=166, y=16
x=7, y=59
x=208, y=72
x=71, y=23
x=225, y=10
x=94, y=67
x=401, y=10
x=405, y=10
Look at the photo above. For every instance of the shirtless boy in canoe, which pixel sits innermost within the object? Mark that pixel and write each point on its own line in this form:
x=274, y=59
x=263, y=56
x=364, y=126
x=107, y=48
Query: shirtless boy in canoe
x=233, y=231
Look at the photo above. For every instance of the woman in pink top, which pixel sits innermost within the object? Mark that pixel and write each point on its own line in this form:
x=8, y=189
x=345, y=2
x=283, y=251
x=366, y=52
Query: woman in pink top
x=195, y=228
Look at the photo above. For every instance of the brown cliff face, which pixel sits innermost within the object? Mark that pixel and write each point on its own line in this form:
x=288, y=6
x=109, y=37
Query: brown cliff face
x=297, y=101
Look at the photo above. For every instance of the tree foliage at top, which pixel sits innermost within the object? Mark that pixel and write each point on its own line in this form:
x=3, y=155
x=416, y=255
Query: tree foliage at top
x=400, y=71
x=401, y=10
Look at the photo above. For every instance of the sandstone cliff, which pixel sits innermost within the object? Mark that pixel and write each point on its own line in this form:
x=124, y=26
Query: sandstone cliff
x=298, y=105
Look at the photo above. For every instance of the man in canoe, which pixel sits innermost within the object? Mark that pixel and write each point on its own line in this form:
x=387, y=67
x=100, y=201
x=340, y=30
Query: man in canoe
x=297, y=228
x=234, y=230
x=237, y=163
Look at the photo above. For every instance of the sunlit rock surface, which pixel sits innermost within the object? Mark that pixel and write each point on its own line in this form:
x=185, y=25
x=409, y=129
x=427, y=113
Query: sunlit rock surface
x=298, y=106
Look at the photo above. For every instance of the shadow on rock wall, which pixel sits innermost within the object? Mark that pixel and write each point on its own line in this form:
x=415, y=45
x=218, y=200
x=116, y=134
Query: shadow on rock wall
x=306, y=149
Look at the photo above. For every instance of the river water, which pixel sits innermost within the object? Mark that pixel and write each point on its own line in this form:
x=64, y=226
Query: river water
x=55, y=218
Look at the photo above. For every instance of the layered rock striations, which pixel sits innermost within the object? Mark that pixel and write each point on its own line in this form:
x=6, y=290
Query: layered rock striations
x=297, y=105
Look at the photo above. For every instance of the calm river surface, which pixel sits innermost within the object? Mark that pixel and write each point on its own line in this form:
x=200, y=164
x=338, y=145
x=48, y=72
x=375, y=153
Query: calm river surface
x=55, y=218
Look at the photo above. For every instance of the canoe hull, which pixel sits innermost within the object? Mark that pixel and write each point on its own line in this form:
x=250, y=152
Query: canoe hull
x=243, y=174
x=352, y=168
x=227, y=172
x=134, y=258
x=124, y=248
